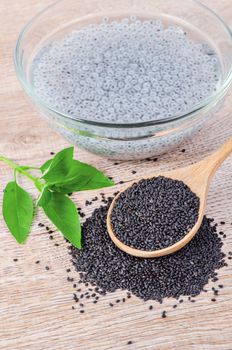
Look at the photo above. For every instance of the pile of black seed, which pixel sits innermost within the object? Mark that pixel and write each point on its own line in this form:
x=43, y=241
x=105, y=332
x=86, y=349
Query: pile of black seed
x=186, y=272
x=155, y=213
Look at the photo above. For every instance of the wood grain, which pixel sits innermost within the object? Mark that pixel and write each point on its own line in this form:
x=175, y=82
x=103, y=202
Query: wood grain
x=36, y=304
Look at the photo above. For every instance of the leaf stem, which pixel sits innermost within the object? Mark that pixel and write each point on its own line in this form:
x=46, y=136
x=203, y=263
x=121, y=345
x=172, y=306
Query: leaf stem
x=20, y=170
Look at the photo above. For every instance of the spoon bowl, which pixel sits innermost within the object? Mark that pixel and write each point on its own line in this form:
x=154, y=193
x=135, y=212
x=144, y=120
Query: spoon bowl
x=197, y=177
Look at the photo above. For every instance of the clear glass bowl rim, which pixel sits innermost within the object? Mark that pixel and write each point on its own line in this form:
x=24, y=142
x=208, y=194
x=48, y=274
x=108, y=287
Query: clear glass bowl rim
x=200, y=107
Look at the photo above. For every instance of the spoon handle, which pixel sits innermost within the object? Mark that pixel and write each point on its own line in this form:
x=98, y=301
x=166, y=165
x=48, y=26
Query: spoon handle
x=213, y=162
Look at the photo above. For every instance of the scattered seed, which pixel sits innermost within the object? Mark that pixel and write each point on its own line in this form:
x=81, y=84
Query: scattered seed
x=183, y=273
x=164, y=314
x=47, y=268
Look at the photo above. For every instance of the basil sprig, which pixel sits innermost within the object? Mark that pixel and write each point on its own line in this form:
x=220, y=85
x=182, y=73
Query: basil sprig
x=60, y=176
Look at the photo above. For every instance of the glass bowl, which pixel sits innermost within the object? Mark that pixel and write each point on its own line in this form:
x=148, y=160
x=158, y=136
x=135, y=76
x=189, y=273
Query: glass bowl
x=125, y=141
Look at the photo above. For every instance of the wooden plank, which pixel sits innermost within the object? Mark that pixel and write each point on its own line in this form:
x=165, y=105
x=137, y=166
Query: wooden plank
x=35, y=304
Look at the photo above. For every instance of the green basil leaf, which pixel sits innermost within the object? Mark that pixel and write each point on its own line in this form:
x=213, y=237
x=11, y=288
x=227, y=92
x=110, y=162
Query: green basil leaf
x=63, y=214
x=59, y=166
x=46, y=165
x=41, y=200
x=82, y=177
x=17, y=210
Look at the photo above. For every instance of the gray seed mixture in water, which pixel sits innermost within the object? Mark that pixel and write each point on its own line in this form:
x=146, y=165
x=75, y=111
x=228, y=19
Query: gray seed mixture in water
x=183, y=273
x=155, y=213
x=125, y=71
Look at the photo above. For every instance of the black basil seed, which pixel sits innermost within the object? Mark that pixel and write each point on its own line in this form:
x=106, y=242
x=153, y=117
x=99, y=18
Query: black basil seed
x=164, y=314
x=154, y=213
x=183, y=273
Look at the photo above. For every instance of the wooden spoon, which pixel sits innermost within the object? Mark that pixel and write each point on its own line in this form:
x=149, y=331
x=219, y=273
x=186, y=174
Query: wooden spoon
x=197, y=177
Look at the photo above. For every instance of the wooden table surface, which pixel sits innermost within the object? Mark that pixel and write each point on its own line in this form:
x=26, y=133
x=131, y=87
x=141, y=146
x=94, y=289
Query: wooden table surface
x=36, y=304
